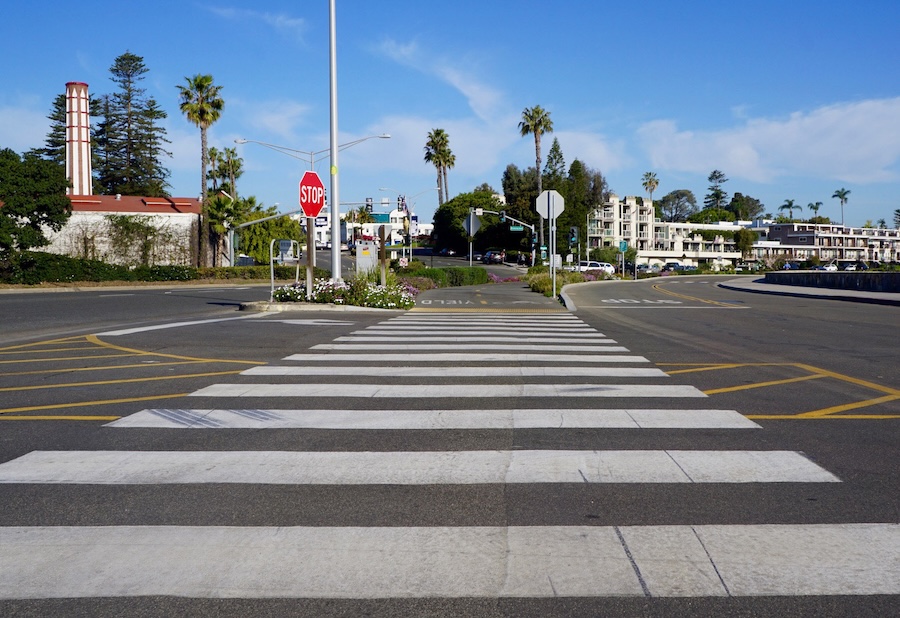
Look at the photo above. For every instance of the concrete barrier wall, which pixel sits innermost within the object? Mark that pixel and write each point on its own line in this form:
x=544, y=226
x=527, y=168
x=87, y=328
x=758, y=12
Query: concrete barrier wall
x=863, y=281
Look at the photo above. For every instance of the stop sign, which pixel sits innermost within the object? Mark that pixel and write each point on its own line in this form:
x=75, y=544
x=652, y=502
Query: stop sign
x=312, y=194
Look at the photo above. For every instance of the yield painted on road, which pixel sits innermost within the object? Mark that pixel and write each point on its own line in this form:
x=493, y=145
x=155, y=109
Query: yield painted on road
x=411, y=468
x=450, y=562
x=436, y=419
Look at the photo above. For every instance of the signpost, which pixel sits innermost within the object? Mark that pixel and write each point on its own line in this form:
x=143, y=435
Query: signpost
x=549, y=205
x=312, y=201
x=472, y=224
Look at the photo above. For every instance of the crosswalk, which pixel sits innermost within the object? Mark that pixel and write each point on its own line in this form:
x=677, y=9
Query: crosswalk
x=460, y=374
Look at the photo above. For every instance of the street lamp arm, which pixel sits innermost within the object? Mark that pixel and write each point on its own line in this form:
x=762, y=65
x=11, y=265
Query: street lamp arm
x=309, y=156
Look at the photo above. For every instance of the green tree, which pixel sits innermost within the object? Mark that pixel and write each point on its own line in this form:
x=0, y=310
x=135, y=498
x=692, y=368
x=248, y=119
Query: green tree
x=448, y=220
x=745, y=208
x=254, y=240
x=841, y=195
x=650, y=182
x=130, y=136
x=743, y=241
x=709, y=215
x=677, y=206
x=897, y=218
x=554, y=175
x=32, y=200
x=717, y=196
x=55, y=145
x=202, y=106
x=536, y=121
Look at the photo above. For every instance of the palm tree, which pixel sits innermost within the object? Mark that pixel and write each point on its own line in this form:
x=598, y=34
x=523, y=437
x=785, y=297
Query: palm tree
x=790, y=206
x=814, y=206
x=448, y=161
x=841, y=195
x=436, y=151
x=650, y=183
x=536, y=121
x=201, y=105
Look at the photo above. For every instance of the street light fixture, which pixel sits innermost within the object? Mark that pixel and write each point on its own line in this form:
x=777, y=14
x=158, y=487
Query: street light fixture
x=310, y=157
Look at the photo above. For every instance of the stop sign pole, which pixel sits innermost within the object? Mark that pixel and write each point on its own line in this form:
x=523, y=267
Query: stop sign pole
x=312, y=200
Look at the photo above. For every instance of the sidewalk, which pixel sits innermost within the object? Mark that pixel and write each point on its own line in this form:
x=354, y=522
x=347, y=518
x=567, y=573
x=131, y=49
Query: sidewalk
x=759, y=286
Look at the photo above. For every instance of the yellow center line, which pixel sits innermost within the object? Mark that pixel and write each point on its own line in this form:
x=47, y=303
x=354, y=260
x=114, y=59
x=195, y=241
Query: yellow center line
x=659, y=288
x=45, y=342
x=15, y=389
x=101, y=402
x=744, y=387
x=706, y=368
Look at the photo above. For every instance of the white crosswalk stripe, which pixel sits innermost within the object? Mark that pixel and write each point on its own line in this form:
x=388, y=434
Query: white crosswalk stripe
x=444, y=363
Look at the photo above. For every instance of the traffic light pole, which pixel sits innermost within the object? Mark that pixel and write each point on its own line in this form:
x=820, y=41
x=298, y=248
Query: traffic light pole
x=503, y=218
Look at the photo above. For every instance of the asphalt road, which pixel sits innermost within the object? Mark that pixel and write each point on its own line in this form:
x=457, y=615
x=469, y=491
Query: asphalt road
x=819, y=378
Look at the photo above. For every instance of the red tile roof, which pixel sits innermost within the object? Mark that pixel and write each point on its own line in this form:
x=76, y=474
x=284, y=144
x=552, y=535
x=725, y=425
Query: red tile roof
x=134, y=204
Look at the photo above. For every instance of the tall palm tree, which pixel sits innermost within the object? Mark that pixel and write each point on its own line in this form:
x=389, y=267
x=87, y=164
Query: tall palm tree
x=650, y=183
x=790, y=206
x=436, y=149
x=201, y=105
x=841, y=194
x=448, y=161
x=536, y=121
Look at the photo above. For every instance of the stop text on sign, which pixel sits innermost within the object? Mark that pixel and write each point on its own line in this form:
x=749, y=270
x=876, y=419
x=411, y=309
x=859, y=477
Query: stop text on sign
x=312, y=194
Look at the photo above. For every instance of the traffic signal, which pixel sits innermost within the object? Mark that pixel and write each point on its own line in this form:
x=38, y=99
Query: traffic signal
x=573, y=236
x=502, y=216
x=534, y=241
x=369, y=205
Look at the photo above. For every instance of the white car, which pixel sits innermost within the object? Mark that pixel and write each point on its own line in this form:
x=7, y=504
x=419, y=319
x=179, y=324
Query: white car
x=586, y=265
x=831, y=267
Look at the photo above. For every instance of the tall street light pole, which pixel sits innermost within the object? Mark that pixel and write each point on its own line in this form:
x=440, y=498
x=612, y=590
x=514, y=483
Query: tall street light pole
x=333, y=196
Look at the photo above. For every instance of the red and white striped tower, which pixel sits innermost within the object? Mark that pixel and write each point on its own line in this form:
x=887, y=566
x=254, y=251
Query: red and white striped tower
x=78, y=138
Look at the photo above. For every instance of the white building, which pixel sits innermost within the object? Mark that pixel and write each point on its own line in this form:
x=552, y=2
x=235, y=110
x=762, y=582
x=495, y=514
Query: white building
x=657, y=242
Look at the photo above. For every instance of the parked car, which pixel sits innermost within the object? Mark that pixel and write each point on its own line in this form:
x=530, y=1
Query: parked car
x=830, y=267
x=493, y=256
x=586, y=265
x=850, y=267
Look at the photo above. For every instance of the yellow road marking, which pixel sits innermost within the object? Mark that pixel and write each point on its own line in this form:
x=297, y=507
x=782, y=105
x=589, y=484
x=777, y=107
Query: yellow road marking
x=848, y=406
x=36, y=351
x=58, y=418
x=15, y=389
x=101, y=368
x=851, y=417
x=64, y=358
x=659, y=288
x=102, y=402
x=745, y=387
x=45, y=342
x=890, y=394
x=94, y=339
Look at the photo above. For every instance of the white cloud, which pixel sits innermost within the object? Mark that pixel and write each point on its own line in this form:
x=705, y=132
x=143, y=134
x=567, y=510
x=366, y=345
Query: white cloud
x=855, y=142
x=292, y=27
x=486, y=101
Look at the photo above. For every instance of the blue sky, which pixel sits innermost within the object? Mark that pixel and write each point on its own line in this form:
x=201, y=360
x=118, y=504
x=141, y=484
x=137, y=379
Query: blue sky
x=792, y=100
